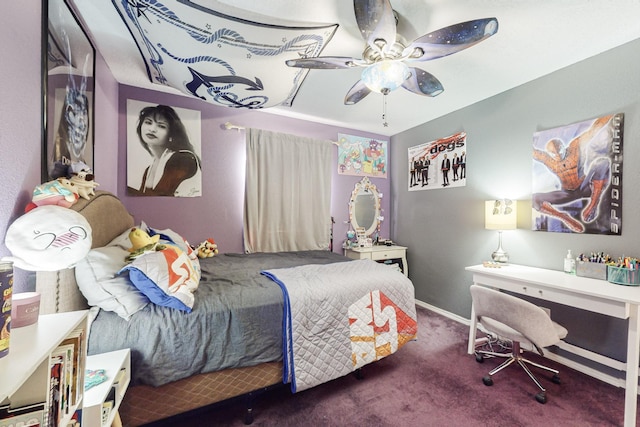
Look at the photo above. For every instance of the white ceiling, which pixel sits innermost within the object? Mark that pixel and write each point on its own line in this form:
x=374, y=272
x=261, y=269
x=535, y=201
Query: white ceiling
x=535, y=38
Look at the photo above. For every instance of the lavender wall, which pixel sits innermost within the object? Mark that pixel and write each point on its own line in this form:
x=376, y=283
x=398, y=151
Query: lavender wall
x=19, y=109
x=218, y=213
x=20, y=114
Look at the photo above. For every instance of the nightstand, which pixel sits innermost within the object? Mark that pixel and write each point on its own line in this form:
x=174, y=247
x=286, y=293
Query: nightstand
x=102, y=401
x=381, y=253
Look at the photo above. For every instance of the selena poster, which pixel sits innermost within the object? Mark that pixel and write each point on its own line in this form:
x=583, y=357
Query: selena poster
x=163, y=150
x=362, y=156
x=438, y=164
x=577, y=177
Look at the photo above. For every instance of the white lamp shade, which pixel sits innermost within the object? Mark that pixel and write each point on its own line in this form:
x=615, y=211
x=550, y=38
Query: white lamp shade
x=500, y=215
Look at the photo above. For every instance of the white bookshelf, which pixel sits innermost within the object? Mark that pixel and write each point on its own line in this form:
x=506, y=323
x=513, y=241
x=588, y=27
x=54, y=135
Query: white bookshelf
x=25, y=371
x=117, y=367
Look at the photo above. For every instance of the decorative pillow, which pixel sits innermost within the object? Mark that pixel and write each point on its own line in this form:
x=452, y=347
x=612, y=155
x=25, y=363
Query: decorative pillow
x=169, y=276
x=48, y=238
x=98, y=279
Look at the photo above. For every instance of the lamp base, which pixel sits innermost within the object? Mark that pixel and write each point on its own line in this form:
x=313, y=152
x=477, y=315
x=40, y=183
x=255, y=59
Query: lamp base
x=500, y=255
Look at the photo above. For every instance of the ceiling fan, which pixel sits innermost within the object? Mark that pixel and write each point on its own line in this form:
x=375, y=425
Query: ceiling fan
x=386, y=53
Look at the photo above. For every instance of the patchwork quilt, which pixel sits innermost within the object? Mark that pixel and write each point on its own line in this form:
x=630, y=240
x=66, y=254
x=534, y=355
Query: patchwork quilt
x=340, y=317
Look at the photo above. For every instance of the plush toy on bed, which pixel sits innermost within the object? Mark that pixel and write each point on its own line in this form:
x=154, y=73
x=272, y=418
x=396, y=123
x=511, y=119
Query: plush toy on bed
x=142, y=243
x=84, y=183
x=60, y=192
x=207, y=249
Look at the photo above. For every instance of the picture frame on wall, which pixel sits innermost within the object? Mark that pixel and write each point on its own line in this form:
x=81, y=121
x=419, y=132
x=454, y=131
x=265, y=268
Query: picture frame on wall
x=360, y=156
x=68, y=93
x=163, y=150
x=577, y=177
x=438, y=164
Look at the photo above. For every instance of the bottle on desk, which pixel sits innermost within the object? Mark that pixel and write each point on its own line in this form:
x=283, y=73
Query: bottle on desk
x=569, y=263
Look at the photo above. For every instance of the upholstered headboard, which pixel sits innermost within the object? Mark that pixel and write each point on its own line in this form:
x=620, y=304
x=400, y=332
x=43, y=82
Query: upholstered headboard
x=108, y=219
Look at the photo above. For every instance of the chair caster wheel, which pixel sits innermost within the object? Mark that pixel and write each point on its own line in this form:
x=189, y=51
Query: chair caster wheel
x=541, y=398
x=556, y=379
x=479, y=358
x=488, y=381
x=248, y=417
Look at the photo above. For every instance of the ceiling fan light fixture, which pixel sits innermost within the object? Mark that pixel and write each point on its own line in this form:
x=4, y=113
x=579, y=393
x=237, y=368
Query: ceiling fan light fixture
x=385, y=76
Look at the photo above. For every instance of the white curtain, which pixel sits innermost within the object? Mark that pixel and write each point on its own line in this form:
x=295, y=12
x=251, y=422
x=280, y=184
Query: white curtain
x=287, y=194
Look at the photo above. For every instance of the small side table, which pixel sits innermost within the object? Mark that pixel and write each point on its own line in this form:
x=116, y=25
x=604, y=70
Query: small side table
x=383, y=254
x=101, y=402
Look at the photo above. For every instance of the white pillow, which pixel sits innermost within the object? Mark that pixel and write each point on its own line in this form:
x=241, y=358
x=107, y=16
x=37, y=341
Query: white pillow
x=99, y=282
x=48, y=238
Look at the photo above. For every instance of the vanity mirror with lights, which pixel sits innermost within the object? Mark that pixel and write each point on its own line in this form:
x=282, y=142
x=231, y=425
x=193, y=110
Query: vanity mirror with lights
x=364, y=211
x=365, y=217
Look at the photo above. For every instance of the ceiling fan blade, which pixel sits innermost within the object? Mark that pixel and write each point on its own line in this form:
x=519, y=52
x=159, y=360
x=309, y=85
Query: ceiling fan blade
x=422, y=83
x=452, y=39
x=324, y=62
x=376, y=21
x=356, y=93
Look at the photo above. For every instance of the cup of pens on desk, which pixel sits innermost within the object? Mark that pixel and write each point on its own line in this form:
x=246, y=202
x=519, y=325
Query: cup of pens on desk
x=624, y=272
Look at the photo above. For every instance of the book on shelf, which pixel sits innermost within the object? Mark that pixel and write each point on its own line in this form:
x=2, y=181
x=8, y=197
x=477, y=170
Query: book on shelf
x=56, y=376
x=119, y=376
x=66, y=377
x=108, y=405
x=33, y=417
x=76, y=419
x=77, y=340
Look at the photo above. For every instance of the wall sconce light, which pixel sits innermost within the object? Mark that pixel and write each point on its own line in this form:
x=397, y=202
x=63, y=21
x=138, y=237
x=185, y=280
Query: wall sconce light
x=500, y=215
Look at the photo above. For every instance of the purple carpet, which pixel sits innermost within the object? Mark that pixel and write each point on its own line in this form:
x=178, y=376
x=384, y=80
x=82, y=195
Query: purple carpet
x=433, y=382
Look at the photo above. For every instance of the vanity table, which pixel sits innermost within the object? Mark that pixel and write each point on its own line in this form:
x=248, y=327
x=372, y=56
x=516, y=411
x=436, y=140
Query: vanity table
x=383, y=254
x=365, y=217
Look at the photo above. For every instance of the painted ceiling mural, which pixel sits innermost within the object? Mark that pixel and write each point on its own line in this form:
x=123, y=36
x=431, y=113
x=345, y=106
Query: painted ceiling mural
x=222, y=59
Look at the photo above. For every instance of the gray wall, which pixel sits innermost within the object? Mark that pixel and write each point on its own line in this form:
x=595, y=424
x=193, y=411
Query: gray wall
x=444, y=228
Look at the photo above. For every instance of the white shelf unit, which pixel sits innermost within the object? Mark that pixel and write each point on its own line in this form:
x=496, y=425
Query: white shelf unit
x=25, y=371
x=117, y=367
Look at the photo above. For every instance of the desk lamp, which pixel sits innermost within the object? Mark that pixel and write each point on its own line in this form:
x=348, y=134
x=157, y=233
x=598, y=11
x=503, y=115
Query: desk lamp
x=500, y=215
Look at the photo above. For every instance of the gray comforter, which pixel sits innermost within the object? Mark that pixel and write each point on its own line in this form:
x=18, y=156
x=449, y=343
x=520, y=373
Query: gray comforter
x=342, y=316
x=236, y=321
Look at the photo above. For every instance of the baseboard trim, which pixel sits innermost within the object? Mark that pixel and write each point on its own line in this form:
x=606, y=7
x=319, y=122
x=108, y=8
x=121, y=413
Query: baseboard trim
x=444, y=313
x=617, y=382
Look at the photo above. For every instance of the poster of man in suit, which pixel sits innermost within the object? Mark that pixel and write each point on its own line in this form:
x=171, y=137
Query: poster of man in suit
x=438, y=164
x=577, y=177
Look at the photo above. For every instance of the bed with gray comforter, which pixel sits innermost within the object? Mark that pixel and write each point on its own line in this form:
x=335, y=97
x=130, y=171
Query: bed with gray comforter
x=236, y=321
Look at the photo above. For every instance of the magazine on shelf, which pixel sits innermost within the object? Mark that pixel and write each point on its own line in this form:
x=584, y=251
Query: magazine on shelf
x=24, y=418
x=56, y=375
x=77, y=340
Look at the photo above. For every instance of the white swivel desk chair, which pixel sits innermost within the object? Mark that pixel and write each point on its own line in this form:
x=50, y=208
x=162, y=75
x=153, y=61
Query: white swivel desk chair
x=519, y=321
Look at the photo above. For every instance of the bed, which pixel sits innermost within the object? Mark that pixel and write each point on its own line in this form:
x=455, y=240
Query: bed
x=242, y=332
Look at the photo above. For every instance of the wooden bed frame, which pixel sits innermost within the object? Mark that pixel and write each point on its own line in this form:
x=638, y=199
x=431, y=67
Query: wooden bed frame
x=145, y=404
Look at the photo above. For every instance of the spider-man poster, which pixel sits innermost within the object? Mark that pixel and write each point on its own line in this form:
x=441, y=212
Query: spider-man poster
x=577, y=177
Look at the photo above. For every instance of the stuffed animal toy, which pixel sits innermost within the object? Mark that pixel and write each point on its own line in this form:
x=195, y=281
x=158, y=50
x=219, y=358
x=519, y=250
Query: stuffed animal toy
x=142, y=243
x=207, y=249
x=59, y=192
x=84, y=183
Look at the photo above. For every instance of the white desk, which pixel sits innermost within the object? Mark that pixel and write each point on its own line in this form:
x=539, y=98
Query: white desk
x=594, y=295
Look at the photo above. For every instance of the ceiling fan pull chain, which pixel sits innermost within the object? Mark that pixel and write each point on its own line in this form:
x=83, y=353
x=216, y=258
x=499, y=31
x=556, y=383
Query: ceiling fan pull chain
x=384, y=110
